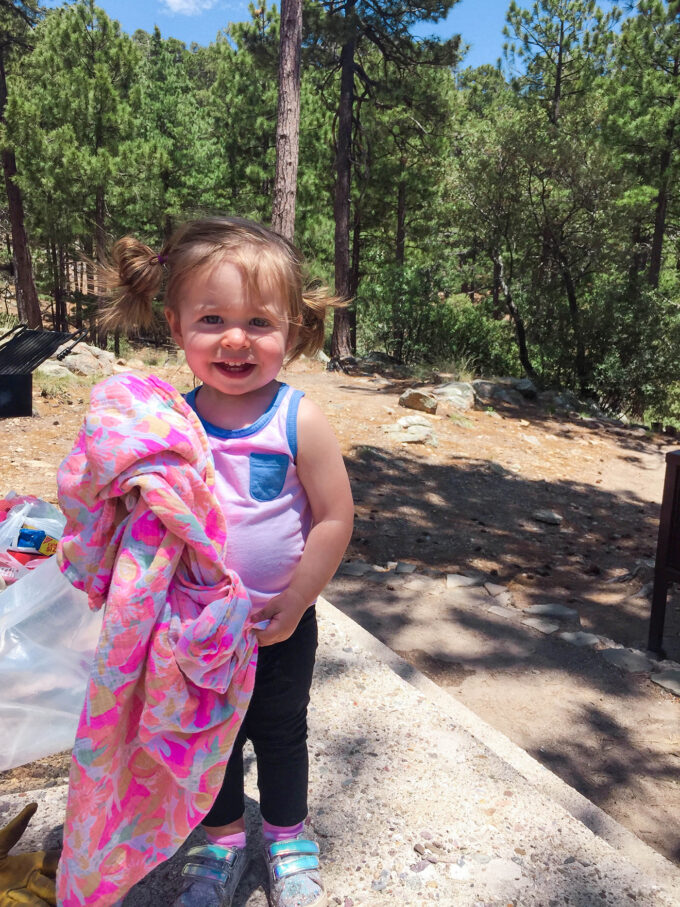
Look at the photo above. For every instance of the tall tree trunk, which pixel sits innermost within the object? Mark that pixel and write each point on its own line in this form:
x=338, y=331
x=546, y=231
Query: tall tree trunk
x=575, y=315
x=517, y=320
x=656, y=250
x=557, y=92
x=28, y=306
x=100, y=247
x=341, y=339
x=355, y=273
x=288, y=119
x=401, y=219
x=62, y=306
x=58, y=310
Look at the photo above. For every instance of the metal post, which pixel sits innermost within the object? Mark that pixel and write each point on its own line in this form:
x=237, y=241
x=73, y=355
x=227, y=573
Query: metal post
x=667, y=564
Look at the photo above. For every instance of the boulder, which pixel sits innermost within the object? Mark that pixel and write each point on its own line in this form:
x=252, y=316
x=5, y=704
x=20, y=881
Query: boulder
x=52, y=369
x=82, y=363
x=458, y=393
x=413, y=433
x=408, y=421
x=507, y=395
x=526, y=388
x=420, y=400
x=500, y=390
x=483, y=390
x=105, y=355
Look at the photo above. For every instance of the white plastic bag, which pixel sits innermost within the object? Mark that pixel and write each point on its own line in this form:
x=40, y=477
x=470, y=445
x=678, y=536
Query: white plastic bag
x=44, y=518
x=10, y=526
x=48, y=636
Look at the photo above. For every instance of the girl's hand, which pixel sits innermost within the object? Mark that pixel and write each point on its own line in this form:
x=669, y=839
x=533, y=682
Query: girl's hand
x=283, y=613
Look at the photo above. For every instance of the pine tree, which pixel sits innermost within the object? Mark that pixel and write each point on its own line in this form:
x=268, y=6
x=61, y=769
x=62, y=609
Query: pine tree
x=69, y=115
x=16, y=22
x=288, y=118
x=386, y=26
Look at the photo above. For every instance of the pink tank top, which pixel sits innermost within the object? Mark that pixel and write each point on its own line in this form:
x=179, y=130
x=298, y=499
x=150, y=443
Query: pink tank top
x=267, y=509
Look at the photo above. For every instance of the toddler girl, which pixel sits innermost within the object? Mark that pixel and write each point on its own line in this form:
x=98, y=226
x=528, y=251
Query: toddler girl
x=235, y=303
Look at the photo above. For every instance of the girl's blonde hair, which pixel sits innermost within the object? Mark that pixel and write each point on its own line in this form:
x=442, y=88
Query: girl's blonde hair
x=268, y=262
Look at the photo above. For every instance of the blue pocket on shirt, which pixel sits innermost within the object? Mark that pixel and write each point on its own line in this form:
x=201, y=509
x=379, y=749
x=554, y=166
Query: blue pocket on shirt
x=267, y=475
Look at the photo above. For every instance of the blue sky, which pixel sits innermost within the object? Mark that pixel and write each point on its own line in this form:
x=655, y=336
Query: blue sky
x=479, y=22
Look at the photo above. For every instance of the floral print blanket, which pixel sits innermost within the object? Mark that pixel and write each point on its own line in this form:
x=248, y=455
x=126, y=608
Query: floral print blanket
x=175, y=664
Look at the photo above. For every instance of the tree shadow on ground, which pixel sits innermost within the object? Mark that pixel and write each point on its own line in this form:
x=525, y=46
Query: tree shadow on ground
x=450, y=517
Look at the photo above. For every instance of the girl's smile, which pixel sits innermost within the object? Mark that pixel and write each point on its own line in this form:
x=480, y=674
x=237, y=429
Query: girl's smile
x=234, y=340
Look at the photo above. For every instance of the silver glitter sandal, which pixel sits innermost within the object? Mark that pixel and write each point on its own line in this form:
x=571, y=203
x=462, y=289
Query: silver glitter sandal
x=294, y=874
x=211, y=876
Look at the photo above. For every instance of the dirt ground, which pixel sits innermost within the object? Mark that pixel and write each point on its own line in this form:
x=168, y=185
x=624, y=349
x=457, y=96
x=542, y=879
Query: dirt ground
x=466, y=505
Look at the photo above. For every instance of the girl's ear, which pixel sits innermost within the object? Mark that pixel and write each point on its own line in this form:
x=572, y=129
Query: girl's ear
x=175, y=328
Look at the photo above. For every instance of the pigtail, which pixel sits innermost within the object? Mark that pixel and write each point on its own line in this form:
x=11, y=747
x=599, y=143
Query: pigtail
x=316, y=301
x=131, y=281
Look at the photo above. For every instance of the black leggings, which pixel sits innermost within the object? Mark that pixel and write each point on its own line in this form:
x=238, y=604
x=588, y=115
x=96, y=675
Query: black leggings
x=276, y=723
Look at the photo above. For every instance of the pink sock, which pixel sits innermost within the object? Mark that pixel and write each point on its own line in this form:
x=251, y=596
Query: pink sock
x=237, y=840
x=281, y=832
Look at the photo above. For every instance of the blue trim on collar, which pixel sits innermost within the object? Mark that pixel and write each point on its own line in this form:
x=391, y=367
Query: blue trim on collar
x=258, y=424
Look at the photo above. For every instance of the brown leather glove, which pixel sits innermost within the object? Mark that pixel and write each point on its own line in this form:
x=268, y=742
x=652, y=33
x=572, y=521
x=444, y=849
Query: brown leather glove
x=27, y=878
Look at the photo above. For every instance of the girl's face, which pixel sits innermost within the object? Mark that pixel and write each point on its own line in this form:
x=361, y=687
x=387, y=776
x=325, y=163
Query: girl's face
x=234, y=341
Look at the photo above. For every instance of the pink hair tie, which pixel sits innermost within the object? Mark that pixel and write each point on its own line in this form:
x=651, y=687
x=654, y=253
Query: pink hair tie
x=162, y=259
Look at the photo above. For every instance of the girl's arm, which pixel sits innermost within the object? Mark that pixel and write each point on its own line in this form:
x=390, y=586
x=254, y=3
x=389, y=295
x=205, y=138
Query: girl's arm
x=324, y=478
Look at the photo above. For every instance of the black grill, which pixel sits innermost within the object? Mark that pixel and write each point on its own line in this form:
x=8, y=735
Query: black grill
x=22, y=350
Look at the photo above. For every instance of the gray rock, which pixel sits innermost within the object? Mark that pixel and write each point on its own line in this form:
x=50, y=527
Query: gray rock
x=82, y=364
x=483, y=390
x=629, y=659
x=415, y=434
x=566, y=400
x=580, y=638
x=455, y=580
x=494, y=589
x=409, y=421
x=505, y=598
x=669, y=680
x=548, y=516
x=106, y=355
x=561, y=612
x=458, y=393
x=507, y=395
x=415, y=399
x=500, y=611
x=541, y=624
x=353, y=568
x=405, y=568
x=52, y=369
x=527, y=388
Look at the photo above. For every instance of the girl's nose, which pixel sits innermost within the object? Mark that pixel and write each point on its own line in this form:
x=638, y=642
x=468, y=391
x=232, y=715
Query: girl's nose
x=234, y=336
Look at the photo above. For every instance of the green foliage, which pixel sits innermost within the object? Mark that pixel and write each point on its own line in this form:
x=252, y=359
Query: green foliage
x=487, y=204
x=636, y=345
x=404, y=312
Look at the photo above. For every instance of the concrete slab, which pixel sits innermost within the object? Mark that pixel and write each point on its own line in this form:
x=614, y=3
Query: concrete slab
x=414, y=799
x=541, y=624
x=628, y=659
x=456, y=580
x=559, y=612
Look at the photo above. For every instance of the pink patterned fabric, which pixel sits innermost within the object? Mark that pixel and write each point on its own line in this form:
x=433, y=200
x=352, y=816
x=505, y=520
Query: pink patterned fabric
x=175, y=665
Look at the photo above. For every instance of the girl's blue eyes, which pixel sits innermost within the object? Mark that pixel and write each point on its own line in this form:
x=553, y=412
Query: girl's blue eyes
x=216, y=319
